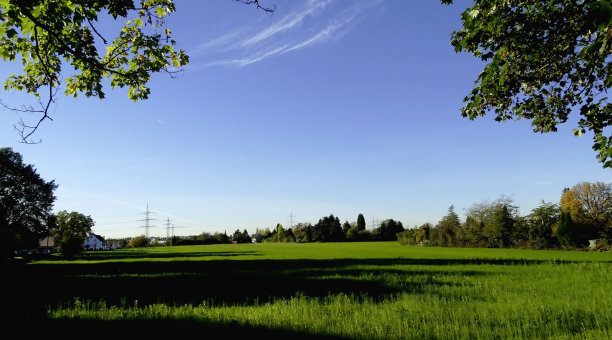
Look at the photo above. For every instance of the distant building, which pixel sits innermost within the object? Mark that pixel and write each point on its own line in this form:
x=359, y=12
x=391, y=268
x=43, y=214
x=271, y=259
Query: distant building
x=47, y=242
x=593, y=243
x=256, y=238
x=94, y=242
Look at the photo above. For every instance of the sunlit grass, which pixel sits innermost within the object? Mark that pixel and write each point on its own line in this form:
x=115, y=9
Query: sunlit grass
x=352, y=290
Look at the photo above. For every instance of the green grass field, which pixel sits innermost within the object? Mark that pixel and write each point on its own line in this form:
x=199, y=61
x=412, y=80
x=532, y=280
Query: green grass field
x=375, y=290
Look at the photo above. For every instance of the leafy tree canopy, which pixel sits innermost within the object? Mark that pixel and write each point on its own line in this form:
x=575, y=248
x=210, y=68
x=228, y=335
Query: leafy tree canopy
x=70, y=232
x=47, y=36
x=542, y=221
x=544, y=59
x=590, y=205
x=328, y=229
x=26, y=201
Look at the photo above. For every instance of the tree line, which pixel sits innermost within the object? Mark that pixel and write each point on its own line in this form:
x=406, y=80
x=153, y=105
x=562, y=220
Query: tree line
x=584, y=214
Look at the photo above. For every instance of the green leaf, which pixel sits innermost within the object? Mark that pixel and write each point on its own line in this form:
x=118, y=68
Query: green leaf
x=604, y=14
x=10, y=33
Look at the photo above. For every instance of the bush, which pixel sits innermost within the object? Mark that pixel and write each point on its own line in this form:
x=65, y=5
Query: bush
x=406, y=237
x=138, y=242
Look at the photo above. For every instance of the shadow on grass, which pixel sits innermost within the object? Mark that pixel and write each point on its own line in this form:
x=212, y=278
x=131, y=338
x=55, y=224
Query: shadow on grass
x=139, y=254
x=165, y=328
x=31, y=289
x=227, y=282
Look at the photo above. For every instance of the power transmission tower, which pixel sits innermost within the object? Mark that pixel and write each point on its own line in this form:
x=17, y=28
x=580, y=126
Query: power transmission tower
x=291, y=220
x=147, y=220
x=174, y=227
x=168, y=228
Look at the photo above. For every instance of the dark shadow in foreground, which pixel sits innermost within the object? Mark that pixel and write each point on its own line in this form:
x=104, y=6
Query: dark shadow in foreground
x=156, y=329
x=30, y=289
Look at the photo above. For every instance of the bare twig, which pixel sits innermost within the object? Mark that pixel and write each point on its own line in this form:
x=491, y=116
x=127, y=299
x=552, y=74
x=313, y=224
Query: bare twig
x=259, y=6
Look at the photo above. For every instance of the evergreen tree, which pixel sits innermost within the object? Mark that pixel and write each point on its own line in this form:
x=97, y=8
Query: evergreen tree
x=361, y=223
x=564, y=231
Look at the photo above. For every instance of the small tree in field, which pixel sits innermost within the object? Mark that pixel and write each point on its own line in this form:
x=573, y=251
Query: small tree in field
x=70, y=232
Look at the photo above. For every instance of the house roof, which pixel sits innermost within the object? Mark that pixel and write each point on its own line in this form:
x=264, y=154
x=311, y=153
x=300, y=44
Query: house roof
x=100, y=238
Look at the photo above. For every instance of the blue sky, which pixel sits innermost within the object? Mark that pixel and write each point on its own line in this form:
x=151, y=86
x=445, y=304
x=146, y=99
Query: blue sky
x=323, y=107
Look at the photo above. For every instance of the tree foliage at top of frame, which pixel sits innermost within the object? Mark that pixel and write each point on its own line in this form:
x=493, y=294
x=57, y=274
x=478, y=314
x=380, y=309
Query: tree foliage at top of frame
x=544, y=60
x=46, y=36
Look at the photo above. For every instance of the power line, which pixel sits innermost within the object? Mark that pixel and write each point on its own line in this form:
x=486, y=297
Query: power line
x=125, y=222
x=174, y=227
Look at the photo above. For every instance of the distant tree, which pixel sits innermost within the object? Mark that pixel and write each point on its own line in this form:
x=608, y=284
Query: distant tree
x=519, y=234
x=246, y=238
x=174, y=241
x=471, y=232
x=361, y=223
x=328, y=229
x=364, y=235
x=444, y=233
x=590, y=205
x=264, y=232
x=497, y=219
x=422, y=234
x=221, y=238
x=241, y=237
x=302, y=232
x=138, y=242
x=205, y=238
x=388, y=230
x=279, y=234
x=289, y=236
x=441, y=236
x=543, y=59
x=26, y=201
x=451, y=220
x=498, y=227
x=542, y=221
x=346, y=226
x=352, y=234
x=407, y=237
x=566, y=232
x=70, y=232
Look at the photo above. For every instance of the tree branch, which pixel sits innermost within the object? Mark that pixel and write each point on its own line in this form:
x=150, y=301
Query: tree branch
x=96, y=31
x=256, y=3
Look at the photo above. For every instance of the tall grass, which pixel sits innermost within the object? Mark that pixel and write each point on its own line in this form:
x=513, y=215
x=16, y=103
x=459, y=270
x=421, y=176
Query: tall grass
x=350, y=290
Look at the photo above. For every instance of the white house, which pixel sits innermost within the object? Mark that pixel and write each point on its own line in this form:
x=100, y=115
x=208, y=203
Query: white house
x=94, y=242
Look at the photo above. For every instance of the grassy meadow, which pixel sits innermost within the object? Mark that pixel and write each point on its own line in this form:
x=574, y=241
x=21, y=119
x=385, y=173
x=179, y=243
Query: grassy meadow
x=373, y=290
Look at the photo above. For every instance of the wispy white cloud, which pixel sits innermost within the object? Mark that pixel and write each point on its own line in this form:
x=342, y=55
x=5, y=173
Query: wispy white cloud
x=287, y=23
x=317, y=21
x=220, y=43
